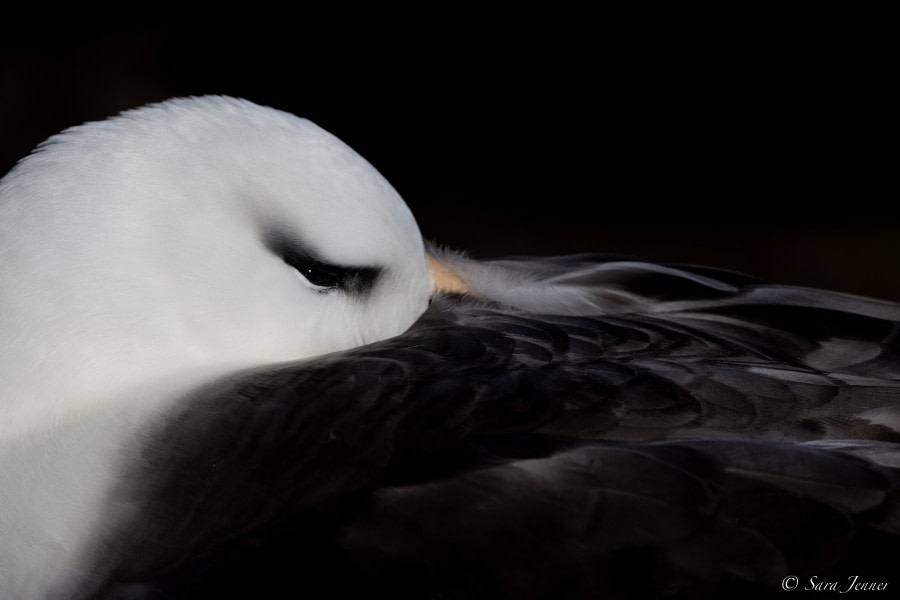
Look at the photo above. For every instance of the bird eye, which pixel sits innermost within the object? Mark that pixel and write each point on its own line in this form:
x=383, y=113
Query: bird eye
x=321, y=276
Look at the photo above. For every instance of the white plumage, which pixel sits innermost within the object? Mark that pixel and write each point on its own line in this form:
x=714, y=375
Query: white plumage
x=136, y=261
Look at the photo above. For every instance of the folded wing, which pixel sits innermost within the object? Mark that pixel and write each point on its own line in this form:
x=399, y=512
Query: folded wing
x=655, y=429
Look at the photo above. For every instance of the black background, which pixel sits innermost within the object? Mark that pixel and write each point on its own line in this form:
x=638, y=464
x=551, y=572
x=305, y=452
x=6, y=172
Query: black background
x=761, y=143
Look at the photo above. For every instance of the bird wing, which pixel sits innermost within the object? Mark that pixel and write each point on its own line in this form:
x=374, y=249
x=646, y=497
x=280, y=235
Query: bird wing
x=711, y=432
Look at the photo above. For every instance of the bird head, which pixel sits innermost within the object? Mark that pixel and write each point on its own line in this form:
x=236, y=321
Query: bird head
x=198, y=233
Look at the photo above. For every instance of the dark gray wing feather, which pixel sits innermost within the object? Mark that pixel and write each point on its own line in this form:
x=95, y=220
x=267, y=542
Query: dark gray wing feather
x=711, y=434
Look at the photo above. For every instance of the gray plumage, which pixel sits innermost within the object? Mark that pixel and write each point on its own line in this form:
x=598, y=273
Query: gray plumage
x=715, y=434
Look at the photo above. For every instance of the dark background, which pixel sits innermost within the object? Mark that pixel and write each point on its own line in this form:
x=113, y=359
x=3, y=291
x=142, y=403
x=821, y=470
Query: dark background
x=765, y=145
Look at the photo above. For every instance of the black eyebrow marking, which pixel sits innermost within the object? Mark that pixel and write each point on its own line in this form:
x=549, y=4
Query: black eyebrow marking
x=356, y=280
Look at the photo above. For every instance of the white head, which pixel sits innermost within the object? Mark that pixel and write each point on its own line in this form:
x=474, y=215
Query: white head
x=168, y=241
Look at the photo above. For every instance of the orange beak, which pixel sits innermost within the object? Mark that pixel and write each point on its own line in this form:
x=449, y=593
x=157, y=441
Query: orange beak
x=443, y=280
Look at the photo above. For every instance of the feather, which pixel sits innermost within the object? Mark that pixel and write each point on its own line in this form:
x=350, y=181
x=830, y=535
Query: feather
x=492, y=452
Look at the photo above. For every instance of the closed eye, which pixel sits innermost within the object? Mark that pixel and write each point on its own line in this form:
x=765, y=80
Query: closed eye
x=322, y=276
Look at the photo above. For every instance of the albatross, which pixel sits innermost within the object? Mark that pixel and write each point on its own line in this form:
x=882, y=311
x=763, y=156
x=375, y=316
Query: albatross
x=230, y=367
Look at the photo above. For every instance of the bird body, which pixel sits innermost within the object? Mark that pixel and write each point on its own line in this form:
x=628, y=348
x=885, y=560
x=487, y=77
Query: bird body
x=228, y=369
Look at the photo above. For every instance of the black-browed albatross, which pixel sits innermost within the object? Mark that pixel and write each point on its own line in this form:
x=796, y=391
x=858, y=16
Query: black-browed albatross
x=230, y=369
